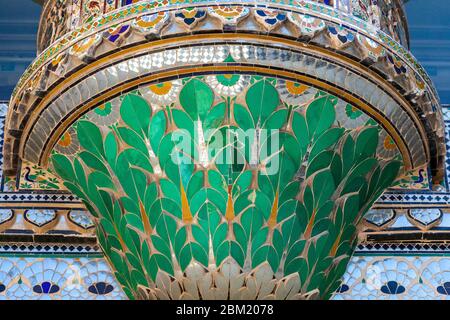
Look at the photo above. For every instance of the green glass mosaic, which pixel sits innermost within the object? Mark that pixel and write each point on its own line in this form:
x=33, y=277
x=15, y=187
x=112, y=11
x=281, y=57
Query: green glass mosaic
x=160, y=208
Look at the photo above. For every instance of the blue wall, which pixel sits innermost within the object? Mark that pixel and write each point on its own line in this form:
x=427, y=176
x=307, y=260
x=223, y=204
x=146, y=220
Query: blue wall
x=429, y=25
x=18, y=25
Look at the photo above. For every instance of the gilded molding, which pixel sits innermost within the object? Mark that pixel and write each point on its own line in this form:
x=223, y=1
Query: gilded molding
x=358, y=46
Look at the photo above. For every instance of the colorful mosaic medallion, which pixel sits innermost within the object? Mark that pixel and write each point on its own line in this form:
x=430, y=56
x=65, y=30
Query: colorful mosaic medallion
x=152, y=23
x=308, y=25
x=210, y=190
x=229, y=15
x=269, y=19
x=190, y=17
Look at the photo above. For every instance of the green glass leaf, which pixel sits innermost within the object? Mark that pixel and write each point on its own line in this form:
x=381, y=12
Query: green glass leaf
x=195, y=183
x=90, y=137
x=300, y=129
x=326, y=140
x=199, y=254
x=183, y=122
x=161, y=245
x=117, y=212
x=262, y=99
x=135, y=221
x=320, y=115
x=252, y=220
x=243, y=118
x=292, y=148
x=217, y=182
x=180, y=241
x=131, y=138
x=201, y=237
x=355, y=184
x=185, y=256
x=259, y=239
x=214, y=118
x=157, y=129
x=101, y=180
x=175, y=151
x=361, y=168
x=260, y=256
x=278, y=243
x=321, y=161
x=366, y=143
x=323, y=187
x=242, y=183
x=196, y=98
x=170, y=190
x=166, y=226
x=325, y=210
x=290, y=191
x=164, y=264
x=295, y=251
x=287, y=210
x=316, y=279
x=219, y=235
x=336, y=167
x=223, y=251
x=320, y=227
x=348, y=153
x=152, y=267
x=389, y=174
x=136, y=113
x=93, y=162
x=63, y=167
x=308, y=200
x=80, y=174
x=298, y=265
x=133, y=181
x=237, y=253
x=111, y=148
x=151, y=194
x=179, y=173
x=276, y=120
x=240, y=236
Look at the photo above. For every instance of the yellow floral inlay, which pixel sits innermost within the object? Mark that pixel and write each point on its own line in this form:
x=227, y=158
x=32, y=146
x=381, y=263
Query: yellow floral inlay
x=274, y=212
x=229, y=214
x=65, y=140
x=295, y=87
x=161, y=88
x=389, y=143
x=185, y=209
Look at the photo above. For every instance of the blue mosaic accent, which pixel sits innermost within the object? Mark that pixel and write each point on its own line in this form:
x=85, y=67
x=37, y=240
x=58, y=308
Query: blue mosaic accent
x=30, y=278
x=367, y=278
x=412, y=277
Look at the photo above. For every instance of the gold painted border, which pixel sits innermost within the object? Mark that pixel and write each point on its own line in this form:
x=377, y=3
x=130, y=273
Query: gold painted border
x=227, y=69
x=142, y=48
x=43, y=205
x=409, y=206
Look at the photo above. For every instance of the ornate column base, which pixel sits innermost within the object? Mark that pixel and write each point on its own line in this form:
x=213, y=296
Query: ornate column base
x=225, y=186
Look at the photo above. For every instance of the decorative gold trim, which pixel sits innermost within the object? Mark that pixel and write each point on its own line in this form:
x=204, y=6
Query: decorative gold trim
x=154, y=45
x=43, y=205
x=152, y=78
x=409, y=206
